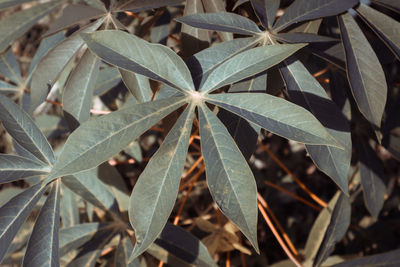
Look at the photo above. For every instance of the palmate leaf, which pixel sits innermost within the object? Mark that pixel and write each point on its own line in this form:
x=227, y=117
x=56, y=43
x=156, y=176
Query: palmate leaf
x=9, y=67
x=266, y=11
x=77, y=94
x=42, y=248
x=15, y=25
x=15, y=167
x=134, y=54
x=24, y=130
x=366, y=76
x=277, y=116
x=122, y=253
x=52, y=64
x=95, y=141
x=215, y=6
x=137, y=84
x=248, y=63
x=150, y=206
x=108, y=78
x=384, y=26
x=229, y=177
x=140, y=5
x=304, y=90
x=304, y=38
x=302, y=10
x=222, y=21
x=69, y=210
x=6, y=88
x=14, y=213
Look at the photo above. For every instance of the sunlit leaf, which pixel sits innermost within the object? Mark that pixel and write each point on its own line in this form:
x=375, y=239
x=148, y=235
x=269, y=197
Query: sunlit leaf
x=277, y=116
x=13, y=26
x=131, y=53
x=366, y=76
x=15, y=167
x=229, y=177
x=222, y=21
x=302, y=10
x=14, y=213
x=9, y=67
x=266, y=11
x=42, y=248
x=109, y=134
x=248, y=63
x=150, y=206
x=24, y=130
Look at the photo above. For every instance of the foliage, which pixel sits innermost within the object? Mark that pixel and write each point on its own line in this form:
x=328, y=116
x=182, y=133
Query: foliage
x=239, y=76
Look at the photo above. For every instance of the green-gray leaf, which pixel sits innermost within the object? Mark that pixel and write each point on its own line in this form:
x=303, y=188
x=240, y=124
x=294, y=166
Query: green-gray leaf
x=248, y=63
x=137, y=84
x=95, y=141
x=15, y=167
x=108, y=78
x=14, y=213
x=366, y=76
x=229, y=177
x=9, y=67
x=388, y=259
x=131, y=53
x=277, y=116
x=140, y=5
x=24, y=130
x=154, y=194
x=77, y=94
x=69, y=210
x=42, y=248
x=266, y=11
x=222, y=21
x=18, y=23
x=302, y=10
x=9, y=3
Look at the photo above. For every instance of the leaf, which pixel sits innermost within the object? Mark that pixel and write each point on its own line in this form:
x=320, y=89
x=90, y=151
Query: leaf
x=246, y=64
x=193, y=40
x=277, y=116
x=266, y=11
x=72, y=15
x=109, y=134
x=304, y=90
x=137, y=84
x=42, y=248
x=23, y=129
x=6, y=88
x=88, y=186
x=307, y=27
x=14, y=213
x=13, y=168
x=391, y=258
x=366, y=76
x=215, y=6
x=229, y=177
x=304, y=38
x=394, y=5
x=9, y=3
x=336, y=230
x=160, y=30
x=183, y=245
x=9, y=67
x=150, y=206
x=15, y=25
x=77, y=94
x=134, y=54
x=52, y=64
x=222, y=21
x=203, y=62
x=302, y=10
x=69, y=208
x=372, y=175
x=384, y=26
x=140, y=5
x=121, y=257
x=108, y=78
x=238, y=3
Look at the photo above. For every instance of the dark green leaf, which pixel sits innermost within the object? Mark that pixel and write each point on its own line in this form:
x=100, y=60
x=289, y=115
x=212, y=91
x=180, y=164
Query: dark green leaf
x=131, y=53
x=222, y=21
x=69, y=208
x=110, y=134
x=266, y=11
x=372, y=178
x=384, y=26
x=246, y=64
x=108, y=78
x=388, y=259
x=42, y=248
x=304, y=90
x=308, y=27
x=14, y=213
x=276, y=115
x=24, y=130
x=51, y=65
x=150, y=206
x=366, y=76
x=9, y=67
x=13, y=26
x=137, y=84
x=229, y=177
x=302, y=10
x=15, y=167
x=77, y=94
